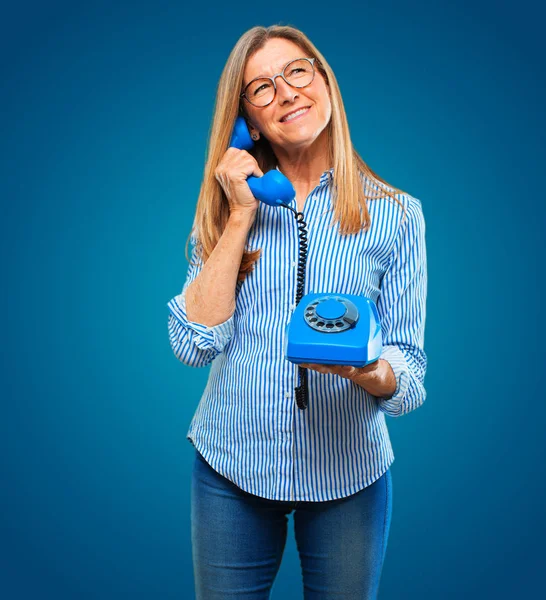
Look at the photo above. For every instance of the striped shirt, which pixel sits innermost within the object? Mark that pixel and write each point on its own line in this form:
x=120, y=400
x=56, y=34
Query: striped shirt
x=247, y=425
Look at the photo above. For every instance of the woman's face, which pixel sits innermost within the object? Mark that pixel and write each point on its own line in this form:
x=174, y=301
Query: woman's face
x=268, y=121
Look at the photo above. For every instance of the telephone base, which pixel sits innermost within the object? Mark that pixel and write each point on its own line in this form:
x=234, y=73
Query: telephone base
x=334, y=329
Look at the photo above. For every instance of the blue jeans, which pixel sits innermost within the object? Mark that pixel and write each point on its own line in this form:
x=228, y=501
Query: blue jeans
x=238, y=540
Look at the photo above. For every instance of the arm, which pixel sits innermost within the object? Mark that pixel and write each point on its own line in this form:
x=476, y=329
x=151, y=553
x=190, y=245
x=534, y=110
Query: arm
x=402, y=310
x=201, y=316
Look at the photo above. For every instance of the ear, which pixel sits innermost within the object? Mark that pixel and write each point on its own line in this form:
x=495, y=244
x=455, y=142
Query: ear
x=254, y=133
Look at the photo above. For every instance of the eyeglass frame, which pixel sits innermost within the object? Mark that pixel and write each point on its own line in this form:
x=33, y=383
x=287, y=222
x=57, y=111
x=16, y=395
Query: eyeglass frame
x=272, y=79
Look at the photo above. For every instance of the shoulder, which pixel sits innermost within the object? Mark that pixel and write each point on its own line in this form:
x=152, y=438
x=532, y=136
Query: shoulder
x=399, y=219
x=405, y=202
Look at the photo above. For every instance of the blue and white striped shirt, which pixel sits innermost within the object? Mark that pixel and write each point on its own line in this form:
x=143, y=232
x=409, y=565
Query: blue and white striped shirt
x=247, y=425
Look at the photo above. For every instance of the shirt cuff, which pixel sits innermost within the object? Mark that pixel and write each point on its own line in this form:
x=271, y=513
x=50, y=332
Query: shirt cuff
x=393, y=355
x=214, y=337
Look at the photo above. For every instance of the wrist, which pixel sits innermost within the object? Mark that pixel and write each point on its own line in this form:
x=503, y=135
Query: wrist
x=376, y=378
x=242, y=218
x=388, y=379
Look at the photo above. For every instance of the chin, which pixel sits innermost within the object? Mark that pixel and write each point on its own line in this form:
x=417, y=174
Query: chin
x=306, y=136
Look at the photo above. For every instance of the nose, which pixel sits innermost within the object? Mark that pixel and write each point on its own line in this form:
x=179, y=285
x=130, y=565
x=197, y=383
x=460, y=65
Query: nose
x=284, y=91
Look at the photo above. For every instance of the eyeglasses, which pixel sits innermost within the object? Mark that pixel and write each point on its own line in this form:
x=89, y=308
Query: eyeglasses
x=298, y=73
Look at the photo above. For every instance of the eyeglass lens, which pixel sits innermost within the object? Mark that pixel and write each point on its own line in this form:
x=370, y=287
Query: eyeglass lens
x=297, y=73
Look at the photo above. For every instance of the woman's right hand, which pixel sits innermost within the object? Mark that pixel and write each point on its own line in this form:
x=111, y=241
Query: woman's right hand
x=232, y=172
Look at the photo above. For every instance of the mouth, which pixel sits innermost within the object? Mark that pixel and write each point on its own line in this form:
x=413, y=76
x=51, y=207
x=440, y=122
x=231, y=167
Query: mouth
x=295, y=115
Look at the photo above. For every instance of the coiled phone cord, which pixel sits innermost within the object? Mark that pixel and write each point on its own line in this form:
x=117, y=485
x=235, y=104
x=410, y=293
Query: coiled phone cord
x=302, y=393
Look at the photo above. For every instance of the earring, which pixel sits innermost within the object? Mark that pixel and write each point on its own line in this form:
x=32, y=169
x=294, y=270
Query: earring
x=254, y=136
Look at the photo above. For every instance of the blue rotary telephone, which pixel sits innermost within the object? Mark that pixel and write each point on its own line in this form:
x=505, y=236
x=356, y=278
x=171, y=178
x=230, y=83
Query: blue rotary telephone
x=328, y=328
x=351, y=322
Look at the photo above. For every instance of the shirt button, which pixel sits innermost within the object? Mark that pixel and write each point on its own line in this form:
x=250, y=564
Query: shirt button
x=294, y=263
x=287, y=395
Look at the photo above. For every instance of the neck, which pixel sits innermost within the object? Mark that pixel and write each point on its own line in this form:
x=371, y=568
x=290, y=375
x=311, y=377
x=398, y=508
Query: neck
x=304, y=165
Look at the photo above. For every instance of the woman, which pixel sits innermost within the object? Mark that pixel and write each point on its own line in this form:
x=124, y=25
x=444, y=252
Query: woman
x=258, y=456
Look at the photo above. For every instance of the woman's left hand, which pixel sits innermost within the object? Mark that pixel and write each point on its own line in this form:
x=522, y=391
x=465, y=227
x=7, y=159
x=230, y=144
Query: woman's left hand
x=343, y=370
x=377, y=378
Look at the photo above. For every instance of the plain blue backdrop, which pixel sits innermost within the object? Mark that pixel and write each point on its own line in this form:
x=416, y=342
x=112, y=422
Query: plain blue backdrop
x=105, y=114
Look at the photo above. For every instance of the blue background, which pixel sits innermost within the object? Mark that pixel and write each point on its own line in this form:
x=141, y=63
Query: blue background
x=106, y=111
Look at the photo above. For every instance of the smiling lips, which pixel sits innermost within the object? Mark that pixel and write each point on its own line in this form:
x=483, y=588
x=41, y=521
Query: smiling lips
x=295, y=115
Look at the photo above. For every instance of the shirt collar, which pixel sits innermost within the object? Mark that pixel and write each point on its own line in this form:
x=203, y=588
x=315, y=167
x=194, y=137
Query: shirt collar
x=325, y=178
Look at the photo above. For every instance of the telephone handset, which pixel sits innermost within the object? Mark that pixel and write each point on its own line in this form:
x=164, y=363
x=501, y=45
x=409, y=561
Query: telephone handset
x=273, y=187
x=328, y=328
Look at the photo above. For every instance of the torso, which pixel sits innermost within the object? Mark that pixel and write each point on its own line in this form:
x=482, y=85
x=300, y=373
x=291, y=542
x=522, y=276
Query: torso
x=300, y=200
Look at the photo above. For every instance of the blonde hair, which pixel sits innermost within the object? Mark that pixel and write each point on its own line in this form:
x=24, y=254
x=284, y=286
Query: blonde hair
x=354, y=180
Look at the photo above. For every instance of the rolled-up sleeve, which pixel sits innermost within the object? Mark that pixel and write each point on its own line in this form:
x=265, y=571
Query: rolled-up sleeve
x=402, y=310
x=195, y=344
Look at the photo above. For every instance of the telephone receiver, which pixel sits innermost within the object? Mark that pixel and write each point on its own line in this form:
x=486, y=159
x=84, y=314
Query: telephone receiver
x=273, y=188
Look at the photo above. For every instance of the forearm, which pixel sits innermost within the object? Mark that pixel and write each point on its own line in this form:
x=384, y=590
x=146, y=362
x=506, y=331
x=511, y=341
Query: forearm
x=210, y=298
x=380, y=382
